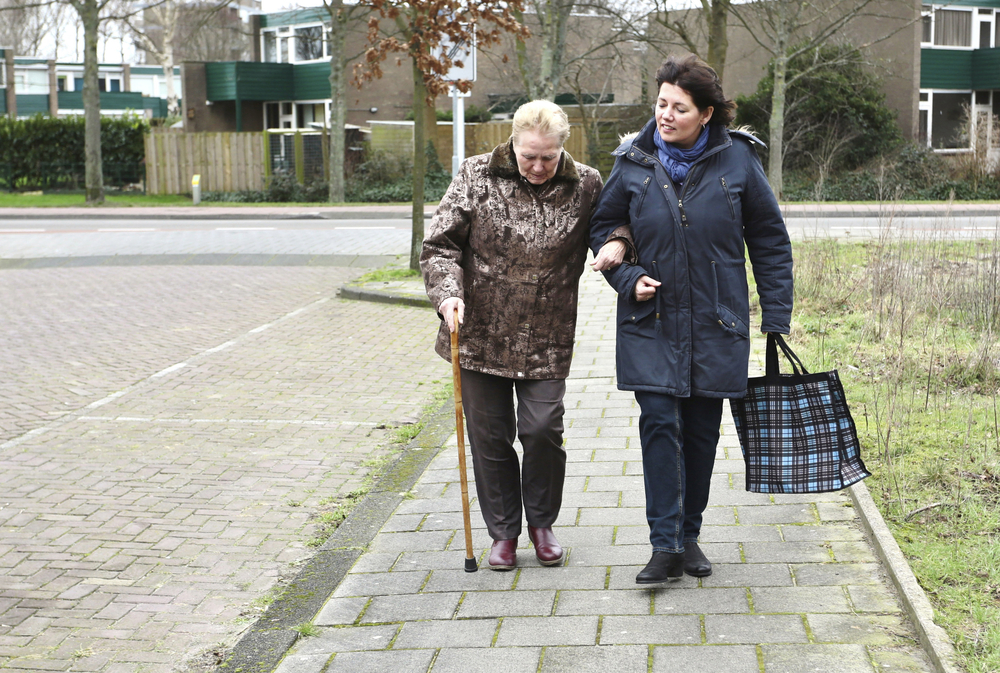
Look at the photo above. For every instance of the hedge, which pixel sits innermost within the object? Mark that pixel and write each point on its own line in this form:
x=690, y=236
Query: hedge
x=44, y=152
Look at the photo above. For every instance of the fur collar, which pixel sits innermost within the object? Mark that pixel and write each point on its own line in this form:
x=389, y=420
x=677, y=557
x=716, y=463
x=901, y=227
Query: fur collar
x=503, y=164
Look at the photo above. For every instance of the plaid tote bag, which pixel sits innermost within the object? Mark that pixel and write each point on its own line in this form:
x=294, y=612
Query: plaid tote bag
x=796, y=431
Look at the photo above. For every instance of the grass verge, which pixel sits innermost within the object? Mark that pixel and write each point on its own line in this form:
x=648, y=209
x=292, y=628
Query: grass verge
x=911, y=323
x=68, y=200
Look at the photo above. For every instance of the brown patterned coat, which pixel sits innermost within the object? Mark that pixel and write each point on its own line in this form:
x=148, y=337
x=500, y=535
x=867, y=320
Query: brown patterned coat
x=514, y=253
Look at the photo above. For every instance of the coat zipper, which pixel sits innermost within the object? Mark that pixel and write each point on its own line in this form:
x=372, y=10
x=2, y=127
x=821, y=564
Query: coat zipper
x=729, y=198
x=656, y=276
x=684, y=188
x=642, y=196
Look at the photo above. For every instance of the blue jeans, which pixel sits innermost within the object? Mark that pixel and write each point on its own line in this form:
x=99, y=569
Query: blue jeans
x=679, y=438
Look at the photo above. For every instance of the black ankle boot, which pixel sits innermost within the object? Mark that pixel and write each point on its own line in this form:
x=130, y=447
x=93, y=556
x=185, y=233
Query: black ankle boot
x=662, y=567
x=695, y=562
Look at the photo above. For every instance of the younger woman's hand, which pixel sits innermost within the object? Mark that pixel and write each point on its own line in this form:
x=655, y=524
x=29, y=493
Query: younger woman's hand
x=645, y=288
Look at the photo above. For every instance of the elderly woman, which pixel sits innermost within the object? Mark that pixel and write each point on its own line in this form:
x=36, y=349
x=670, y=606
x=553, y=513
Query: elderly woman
x=694, y=194
x=506, y=248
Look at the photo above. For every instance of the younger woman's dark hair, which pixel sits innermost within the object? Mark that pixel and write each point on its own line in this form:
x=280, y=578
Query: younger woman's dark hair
x=702, y=84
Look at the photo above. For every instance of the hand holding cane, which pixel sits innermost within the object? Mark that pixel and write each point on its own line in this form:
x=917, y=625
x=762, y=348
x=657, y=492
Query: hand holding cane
x=470, y=561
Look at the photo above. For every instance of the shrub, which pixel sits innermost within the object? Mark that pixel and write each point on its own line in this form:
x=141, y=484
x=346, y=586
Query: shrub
x=839, y=98
x=385, y=177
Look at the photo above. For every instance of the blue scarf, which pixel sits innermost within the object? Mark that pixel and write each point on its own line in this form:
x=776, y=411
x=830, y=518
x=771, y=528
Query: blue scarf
x=676, y=160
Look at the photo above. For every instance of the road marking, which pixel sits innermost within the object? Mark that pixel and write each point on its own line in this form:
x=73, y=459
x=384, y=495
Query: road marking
x=168, y=370
x=22, y=231
x=244, y=228
x=364, y=228
x=128, y=229
x=77, y=415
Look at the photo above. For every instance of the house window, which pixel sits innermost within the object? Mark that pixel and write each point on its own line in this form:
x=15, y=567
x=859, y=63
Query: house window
x=949, y=116
x=270, y=47
x=283, y=50
x=77, y=84
x=952, y=28
x=985, y=28
x=927, y=17
x=272, y=116
x=309, y=43
x=114, y=85
x=61, y=83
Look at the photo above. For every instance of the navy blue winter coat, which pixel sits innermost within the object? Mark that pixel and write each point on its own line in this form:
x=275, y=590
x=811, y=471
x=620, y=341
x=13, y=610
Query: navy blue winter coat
x=693, y=338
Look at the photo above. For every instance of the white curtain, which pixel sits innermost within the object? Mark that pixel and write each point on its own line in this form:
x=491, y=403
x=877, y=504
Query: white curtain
x=952, y=28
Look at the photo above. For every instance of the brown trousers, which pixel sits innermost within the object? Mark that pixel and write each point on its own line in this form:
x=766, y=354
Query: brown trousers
x=501, y=484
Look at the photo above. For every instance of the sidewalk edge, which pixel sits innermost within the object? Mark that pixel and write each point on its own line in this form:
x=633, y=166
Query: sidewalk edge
x=348, y=291
x=262, y=647
x=917, y=606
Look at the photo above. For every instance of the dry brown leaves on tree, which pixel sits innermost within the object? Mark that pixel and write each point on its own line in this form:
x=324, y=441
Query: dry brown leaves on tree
x=420, y=28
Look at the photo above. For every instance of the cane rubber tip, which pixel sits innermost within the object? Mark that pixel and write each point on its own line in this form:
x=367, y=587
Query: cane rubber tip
x=470, y=565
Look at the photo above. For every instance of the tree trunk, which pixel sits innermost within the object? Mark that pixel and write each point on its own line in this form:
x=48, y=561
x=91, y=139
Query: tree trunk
x=169, y=18
x=718, y=37
x=554, y=25
x=338, y=93
x=90, y=18
x=419, y=164
x=776, y=125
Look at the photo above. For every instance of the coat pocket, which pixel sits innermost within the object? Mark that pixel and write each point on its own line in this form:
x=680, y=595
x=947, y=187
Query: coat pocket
x=727, y=318
x=632, y=319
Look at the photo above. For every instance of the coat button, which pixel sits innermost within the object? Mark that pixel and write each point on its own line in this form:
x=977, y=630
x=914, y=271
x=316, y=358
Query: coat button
x=721, y=323
x=734, y=324
x=631, y=154
x=666, y=186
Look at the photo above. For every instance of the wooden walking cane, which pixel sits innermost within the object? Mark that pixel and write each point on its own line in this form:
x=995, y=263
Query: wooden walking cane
x=470, y=560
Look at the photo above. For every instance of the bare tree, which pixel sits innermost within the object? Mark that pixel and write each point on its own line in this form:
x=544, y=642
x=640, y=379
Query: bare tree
x=788, y=29
x=542, y=73
x=162, y=25
x=208, y=32
x=702, y=31
x=28, y=27
x=90, y=12
x=421, y=29
x=344, y=19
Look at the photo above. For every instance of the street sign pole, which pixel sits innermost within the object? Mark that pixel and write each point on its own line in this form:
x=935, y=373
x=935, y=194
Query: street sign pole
x=457, y=129
x=465, y=52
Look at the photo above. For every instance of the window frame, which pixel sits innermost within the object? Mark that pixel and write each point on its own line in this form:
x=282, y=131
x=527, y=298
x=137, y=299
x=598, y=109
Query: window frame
x=928, y=105
x=294, y=47
x=973, y=27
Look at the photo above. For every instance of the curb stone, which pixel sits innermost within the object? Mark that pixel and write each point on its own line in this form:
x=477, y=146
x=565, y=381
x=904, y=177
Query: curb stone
x=917, y=606
x=264, y=644
x=383, y=296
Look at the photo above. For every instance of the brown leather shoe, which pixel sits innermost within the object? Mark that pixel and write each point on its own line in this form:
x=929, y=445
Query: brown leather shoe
x=503, y=555
x=547, y=548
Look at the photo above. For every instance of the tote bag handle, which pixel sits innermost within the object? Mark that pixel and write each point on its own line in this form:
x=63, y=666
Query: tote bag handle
x=773, y=370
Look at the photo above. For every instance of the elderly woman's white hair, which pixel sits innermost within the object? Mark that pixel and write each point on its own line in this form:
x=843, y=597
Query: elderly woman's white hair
x=543, y=117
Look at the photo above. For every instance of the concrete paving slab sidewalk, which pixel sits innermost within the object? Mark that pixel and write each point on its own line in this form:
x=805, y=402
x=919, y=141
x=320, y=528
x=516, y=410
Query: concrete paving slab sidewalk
x=796, y=586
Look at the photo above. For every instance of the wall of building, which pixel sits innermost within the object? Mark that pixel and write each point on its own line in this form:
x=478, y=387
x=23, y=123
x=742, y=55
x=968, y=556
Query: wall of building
x=893, y=37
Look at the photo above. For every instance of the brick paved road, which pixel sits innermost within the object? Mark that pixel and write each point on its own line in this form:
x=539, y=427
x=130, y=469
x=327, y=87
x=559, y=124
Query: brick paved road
x=165, y=433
